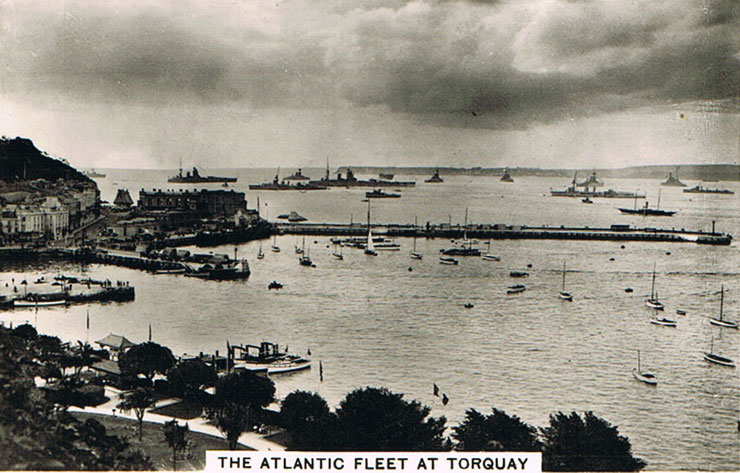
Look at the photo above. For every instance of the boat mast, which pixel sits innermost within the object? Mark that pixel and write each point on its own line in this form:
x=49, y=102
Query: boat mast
x=639, y=370
x=721, y=300
x=465, y=229
x=652, y=288
x=658, y=206
x=563, y=276
x=414, y=234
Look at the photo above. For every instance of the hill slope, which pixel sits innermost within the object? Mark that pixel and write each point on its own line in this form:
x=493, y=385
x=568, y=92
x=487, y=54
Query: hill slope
x=20, y=160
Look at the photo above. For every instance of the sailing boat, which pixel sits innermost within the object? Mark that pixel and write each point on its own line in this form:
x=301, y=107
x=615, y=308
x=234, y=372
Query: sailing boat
x=566, y=296
x=414, y=254
x=647, y=378
x=304, y=259
x=299, y=250
x=260, y=254
x=337, y=254
x=466, y=248
x=369, y=247
x=653, y=301
x=275, y=248
x=720, y=360
x=720, y=321
x=488, y=256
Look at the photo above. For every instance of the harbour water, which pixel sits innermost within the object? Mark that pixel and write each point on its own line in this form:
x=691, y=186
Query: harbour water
x=400, y=323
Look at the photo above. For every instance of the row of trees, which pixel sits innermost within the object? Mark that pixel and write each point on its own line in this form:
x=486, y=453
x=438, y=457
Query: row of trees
x=37, y=433
x=370, y=419
x=375, y=419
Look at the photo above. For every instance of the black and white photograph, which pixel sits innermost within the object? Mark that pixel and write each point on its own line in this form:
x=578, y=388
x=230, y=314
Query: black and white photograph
x=366, y=235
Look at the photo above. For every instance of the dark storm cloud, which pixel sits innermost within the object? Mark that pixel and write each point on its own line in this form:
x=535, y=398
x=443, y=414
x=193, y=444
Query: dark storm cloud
x=505, y=64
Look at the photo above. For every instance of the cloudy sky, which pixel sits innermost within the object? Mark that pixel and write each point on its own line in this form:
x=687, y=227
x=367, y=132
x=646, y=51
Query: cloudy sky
x=216, y=83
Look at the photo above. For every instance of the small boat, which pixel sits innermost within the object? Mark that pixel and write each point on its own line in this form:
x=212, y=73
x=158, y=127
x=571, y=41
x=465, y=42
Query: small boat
x=653, y=301
x=275, y=248
x=447, y=260
x=586, y=200
x=170, y=271
x=379, y=194
x=274, y=285
x=29, y=303
x=566, y=296
x=515, y=288
x=647, y=378
x=628, y=289
x=414, y=254
x=519, y=274
x=40, y=280
x=488, y=256
x=720, y=322
x=369, y=246
x=663, y=321
x=305, y=259
x=260, y=254
x=269, y=357
x=680, y=312
x=466, y=246
x=720, y=360
x=468, y=305
x=337, y=253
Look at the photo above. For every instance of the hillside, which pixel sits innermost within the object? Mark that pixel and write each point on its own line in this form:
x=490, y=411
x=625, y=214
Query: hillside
x=20, y=160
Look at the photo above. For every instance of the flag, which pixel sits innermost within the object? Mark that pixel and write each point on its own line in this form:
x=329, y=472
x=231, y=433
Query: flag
x=321, y=372
x=445, y=399
x=150, y=332
x=436, y=390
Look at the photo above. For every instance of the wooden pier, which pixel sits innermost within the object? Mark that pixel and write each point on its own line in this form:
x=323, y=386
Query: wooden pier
x=509, y=232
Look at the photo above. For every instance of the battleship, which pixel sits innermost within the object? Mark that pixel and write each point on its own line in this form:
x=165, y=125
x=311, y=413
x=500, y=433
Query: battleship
x=573, y=191
x=506, y=177
x=351, y=181
x=278, y=185
x=194, y=177
x=298, y=176
x=673, y=181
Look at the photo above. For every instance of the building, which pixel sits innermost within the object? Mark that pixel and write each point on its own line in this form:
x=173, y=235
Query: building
x=201, y=203
x=25, y=221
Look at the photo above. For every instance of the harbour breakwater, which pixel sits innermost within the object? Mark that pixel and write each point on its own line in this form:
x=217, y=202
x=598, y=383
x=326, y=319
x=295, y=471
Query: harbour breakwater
x=513, y=232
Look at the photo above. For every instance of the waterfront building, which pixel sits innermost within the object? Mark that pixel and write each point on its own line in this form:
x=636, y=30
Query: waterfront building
x=199, y=203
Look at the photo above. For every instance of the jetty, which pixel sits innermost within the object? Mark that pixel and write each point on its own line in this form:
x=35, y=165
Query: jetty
x=510, y=232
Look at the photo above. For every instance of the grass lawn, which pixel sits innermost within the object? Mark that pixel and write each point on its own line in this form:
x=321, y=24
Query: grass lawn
x=154, y=445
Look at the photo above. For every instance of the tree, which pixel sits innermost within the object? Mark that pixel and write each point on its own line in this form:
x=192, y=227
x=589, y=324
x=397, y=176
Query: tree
x=307, y=419
x=588, y=443
x=174, y=435
x=495, y=432
x=245, y=388
x=146, y=358
x=232, y=420
x=375, y=419
x=238, y=402
x=138, y=400
x=188, y=378
x=26, y=332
